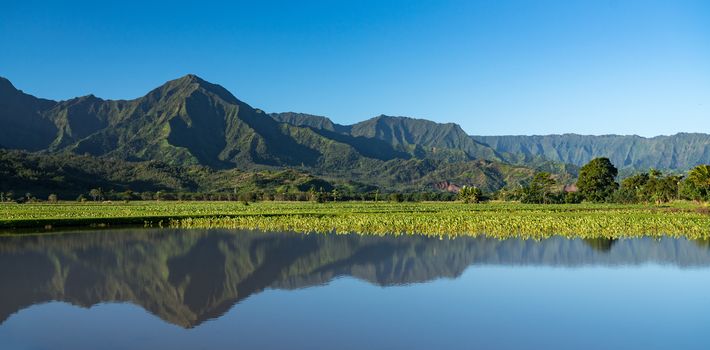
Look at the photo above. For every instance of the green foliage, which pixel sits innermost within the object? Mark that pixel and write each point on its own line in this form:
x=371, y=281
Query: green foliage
x=597, y=180
x=396, y=197
x=661, y=189
x=540, y=190
x=648, y=187
x=499, y=220
x=573, y=198
x=697, y=185
x=96, y=194
x=470, y=194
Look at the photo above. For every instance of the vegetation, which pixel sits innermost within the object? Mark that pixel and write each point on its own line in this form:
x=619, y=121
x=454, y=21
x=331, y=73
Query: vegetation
x=597, y=180
x=470, y=194
x=697, y=184
x=190, y=140
x=540, y=190
x=500, y=220
x=69, y=176
x=648, y=187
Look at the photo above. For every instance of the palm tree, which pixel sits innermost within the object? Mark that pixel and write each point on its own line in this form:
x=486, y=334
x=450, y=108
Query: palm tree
x=700, y=176
x=96, y=193
x=698, y=182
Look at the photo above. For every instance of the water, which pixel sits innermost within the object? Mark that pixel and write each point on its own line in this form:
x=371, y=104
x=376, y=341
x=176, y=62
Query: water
x=218, y=289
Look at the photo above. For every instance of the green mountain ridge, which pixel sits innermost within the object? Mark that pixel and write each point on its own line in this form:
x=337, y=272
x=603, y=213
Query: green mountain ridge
x=418, y=137
x=190, y=122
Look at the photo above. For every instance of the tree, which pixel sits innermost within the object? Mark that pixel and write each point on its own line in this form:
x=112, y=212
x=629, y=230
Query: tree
x=597, y=180
x=470, y=194
x=539, y=190
x=312, y=194
x=697, y=185
x=396, y=197
x=648, y=187
x=573, y=198
x=335, y=195
x=147, y=195
x=632, y=189
x=96, y=194
x=659, y=188
x=321, y=196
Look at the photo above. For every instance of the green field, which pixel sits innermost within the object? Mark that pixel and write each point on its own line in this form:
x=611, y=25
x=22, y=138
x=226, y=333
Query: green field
x=501, y=220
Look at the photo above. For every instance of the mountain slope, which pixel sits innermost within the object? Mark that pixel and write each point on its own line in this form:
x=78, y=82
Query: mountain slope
x=22, y=124
x=309, y=120
x=186, y=121
x=191, y=122
x=411, y=134
x=418, y=137
x=677, y=152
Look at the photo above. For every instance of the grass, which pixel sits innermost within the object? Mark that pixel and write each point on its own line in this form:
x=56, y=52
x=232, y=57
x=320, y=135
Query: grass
x=501, y=220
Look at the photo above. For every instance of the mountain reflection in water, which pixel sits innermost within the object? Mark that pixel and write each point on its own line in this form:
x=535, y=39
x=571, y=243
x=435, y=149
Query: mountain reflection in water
x=188, y=276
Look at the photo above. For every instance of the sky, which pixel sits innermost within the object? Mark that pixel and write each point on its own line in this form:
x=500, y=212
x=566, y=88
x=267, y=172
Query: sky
x=494, y=67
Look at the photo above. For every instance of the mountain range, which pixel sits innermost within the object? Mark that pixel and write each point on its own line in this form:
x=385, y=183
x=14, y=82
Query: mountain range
x=191, y=122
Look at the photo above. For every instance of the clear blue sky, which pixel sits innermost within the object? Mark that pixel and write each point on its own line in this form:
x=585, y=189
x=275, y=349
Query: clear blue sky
x=495, y=67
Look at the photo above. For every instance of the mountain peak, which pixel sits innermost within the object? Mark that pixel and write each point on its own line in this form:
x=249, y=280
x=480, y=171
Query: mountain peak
x=191, y=82
x=191, y=78
x=6, y=85
x=187, y=80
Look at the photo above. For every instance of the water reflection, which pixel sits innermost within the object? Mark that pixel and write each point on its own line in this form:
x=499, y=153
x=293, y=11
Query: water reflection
x=186, y=277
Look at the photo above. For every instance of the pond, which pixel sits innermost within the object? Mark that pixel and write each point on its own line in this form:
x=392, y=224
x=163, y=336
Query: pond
x=222, y=289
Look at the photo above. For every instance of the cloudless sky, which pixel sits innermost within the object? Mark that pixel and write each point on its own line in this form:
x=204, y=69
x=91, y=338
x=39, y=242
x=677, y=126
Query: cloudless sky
x=495, y=67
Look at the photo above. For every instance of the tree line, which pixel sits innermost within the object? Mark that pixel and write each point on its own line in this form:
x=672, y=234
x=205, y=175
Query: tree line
x=312, y=195
x=597, y=182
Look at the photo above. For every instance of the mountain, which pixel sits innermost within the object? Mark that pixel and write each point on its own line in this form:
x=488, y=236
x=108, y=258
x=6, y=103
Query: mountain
x=191, y=122
x=311, y=121
x=418, y=137
x=678, y=152
x=21, y=122
x=186, y=121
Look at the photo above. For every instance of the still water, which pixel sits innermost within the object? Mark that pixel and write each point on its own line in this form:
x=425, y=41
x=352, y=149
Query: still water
x=220, y=289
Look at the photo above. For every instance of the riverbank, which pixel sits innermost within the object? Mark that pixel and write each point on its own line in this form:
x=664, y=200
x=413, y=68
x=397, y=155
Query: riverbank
x=497, y=219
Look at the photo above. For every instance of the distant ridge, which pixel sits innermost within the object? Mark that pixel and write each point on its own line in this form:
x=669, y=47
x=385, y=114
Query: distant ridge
x=679, y=152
